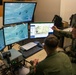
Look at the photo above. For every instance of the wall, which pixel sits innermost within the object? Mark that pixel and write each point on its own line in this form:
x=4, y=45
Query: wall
x=1, y=10
x=46, y=9
x=68, y=7
x=1, y=13
x=1, y=22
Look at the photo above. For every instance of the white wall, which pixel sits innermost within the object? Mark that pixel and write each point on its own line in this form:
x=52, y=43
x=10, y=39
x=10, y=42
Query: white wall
x=68, y=7
x=46, y=9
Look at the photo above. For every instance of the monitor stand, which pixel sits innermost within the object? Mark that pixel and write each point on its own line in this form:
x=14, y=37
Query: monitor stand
x=9, y=47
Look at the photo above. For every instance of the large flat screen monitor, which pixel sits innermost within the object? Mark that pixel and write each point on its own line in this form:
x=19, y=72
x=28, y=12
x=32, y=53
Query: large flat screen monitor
x=40, y=29
x=16, y=33
x=2, y=41
x=18, y=12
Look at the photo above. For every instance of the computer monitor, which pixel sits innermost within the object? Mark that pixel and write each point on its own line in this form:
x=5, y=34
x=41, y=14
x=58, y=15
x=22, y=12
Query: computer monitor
x=2, y=41
x=18, y=12
x=40, y=29
x=16, y=33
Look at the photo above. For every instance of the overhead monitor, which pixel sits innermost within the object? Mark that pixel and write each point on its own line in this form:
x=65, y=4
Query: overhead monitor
x=18, y=12
x=41, y=29
x=2, y=41
x=16, y=33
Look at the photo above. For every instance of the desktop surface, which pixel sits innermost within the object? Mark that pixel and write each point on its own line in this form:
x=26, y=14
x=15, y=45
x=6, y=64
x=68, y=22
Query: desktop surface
x=33, y=54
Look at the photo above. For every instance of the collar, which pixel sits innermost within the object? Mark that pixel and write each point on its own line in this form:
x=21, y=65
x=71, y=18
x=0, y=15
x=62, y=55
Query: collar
x=51, y=54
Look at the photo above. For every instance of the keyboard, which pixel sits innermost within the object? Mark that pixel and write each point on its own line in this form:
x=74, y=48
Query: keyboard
x=28, y=46
x=30, y=52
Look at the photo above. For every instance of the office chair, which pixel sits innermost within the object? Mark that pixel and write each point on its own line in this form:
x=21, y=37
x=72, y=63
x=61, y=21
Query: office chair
x=58, y=21
x=73, y=20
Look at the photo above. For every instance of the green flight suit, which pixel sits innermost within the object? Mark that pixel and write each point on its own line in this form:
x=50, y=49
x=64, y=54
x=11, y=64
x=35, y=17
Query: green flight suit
x=57, y=63
x=68, y=35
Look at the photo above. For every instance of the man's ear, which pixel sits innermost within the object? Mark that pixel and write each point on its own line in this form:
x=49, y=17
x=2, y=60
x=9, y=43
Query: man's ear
x=44, y=47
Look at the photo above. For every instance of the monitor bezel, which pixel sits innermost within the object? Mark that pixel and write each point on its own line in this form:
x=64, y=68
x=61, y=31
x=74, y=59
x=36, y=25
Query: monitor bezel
x=3, y=38
x=19, y=40
x=36, y=23
x=18, y=22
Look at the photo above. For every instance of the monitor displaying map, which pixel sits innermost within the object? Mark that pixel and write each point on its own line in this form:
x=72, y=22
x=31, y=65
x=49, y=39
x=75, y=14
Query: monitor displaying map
x=40, y=30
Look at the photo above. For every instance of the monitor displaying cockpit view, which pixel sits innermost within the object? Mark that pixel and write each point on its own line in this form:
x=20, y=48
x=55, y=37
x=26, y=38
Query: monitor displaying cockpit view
x=18, y=12
x=15, y=33
x=2, y=43
x=40, y=29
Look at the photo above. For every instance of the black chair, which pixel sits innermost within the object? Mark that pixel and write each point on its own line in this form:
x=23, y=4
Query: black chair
x=73, y=20
x=58, y=21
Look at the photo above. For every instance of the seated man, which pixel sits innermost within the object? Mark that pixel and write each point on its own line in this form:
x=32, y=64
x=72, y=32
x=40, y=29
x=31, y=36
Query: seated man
x=56, y=63
x=71, y=35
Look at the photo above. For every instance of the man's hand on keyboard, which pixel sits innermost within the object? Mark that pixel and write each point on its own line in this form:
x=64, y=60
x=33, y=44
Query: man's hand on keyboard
x=34, y=63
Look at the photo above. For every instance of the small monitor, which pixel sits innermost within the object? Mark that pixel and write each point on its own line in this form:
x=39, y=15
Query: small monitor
x=18, y=12
x=16, y=33
x=2, y=41
x=40, y=30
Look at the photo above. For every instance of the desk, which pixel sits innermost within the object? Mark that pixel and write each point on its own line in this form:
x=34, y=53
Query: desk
x=39, y=55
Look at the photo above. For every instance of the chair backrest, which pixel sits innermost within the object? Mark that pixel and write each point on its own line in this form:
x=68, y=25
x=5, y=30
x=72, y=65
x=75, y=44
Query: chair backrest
x=57, y=21
x=73, y=20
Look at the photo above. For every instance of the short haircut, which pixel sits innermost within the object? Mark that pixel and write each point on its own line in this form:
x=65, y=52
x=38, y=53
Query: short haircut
x=51, y=42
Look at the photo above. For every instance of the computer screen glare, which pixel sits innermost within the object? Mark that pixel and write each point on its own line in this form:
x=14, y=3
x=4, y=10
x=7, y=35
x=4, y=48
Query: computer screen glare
x=18, y=12
x=15, y=33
